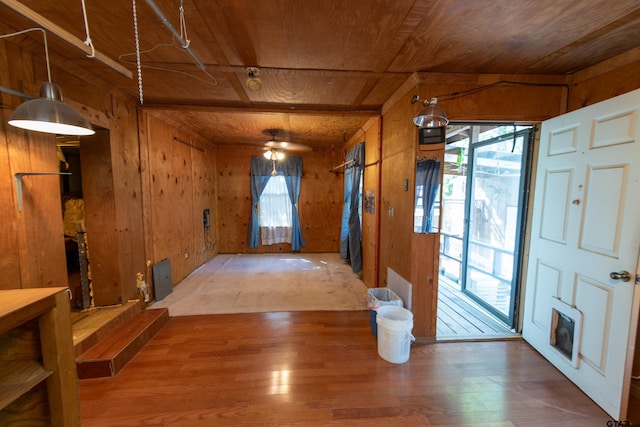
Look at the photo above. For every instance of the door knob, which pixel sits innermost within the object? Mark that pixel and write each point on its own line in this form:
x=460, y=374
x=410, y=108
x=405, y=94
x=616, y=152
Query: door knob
x=620, y=275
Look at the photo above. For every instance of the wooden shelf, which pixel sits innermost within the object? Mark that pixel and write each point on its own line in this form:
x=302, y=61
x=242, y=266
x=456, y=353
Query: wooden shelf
x=36, y=346
x=17, y=378
x=20, y=305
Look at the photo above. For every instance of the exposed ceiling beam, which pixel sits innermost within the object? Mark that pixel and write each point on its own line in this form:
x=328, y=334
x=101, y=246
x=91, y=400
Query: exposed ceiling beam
x=304, y=110
x=218, y=54
x=64, y=35
x=301, y=72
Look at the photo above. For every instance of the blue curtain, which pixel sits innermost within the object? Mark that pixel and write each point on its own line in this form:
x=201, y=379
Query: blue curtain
x=351, y=233
x=428, y=176
x=293, y=187
x=291, y=169
x=346, y=212
x=258, y=183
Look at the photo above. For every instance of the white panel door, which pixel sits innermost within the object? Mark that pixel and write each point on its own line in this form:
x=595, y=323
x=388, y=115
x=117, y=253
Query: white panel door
x=586, y=225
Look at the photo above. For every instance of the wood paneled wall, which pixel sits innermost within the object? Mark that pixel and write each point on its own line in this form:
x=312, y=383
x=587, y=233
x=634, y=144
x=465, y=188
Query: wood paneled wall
x=234, y=197
x=33, y=253
x=371, y=183
x=524, y=99
x=99, y=211
x=10, y=261
x=399, y=138
x=180, y=177
x=319, y=206
x=204, y=197
x=31, y=241
x=610, y=78
x=185, y=185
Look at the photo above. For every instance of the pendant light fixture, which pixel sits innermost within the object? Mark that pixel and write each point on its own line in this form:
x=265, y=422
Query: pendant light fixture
x=431, y=116
x=48, y=113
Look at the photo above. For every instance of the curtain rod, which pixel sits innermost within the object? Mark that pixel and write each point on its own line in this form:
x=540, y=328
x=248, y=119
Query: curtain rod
x=347, y=163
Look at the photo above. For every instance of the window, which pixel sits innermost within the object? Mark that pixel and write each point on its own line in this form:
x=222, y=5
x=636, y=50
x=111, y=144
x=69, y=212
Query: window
x=426, y=213
x=274, y=212
x=285, y=188
x=418, y=212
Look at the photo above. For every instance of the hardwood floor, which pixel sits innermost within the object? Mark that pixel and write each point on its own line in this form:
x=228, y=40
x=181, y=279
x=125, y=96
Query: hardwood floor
x=322, y=369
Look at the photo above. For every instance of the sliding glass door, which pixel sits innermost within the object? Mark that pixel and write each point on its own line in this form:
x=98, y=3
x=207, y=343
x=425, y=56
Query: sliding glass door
x=483, y=203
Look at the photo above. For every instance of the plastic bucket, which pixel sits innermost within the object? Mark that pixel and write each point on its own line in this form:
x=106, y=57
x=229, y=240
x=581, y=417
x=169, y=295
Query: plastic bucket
x=394, y=333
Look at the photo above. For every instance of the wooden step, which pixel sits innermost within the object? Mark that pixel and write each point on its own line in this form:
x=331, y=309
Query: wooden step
x=111, y=354
x=92, y=326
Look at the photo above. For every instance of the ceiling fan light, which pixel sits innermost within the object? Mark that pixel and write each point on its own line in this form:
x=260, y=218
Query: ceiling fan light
x=431, y=116
x=49, y=114
x=273, y=154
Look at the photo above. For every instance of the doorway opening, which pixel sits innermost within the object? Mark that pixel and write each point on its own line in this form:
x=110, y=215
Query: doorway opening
x=483, y=210
x=88, y=203
x=89, y=216
x=71, y=198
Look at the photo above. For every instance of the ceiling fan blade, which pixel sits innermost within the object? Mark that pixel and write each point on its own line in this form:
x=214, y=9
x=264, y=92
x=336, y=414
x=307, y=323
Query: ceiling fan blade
x=288, y=146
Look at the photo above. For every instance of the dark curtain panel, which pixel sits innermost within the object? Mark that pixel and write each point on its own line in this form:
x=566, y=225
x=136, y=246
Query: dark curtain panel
x=351, y=234
x=428, y=176
x=291, y=169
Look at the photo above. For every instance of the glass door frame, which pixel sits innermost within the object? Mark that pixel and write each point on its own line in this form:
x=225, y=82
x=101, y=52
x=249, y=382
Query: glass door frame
x=529, y=135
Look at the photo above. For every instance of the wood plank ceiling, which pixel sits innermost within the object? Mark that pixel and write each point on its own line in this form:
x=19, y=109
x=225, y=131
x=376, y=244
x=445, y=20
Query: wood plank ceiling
x=326, y=66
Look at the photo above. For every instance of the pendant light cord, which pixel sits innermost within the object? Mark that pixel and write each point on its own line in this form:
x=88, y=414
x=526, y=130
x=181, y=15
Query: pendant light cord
x=46, y=46
x=87, y=41
x=183, y=27
x=138, y=64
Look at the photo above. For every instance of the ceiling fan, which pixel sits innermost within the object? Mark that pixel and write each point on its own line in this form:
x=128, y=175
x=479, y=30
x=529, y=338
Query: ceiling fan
x=275, y=150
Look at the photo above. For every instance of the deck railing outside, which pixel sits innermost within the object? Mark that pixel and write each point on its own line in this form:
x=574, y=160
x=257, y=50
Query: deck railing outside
x=489, y=269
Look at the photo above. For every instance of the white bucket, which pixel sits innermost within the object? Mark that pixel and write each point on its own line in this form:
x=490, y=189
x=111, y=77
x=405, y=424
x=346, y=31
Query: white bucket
x=394, y=333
